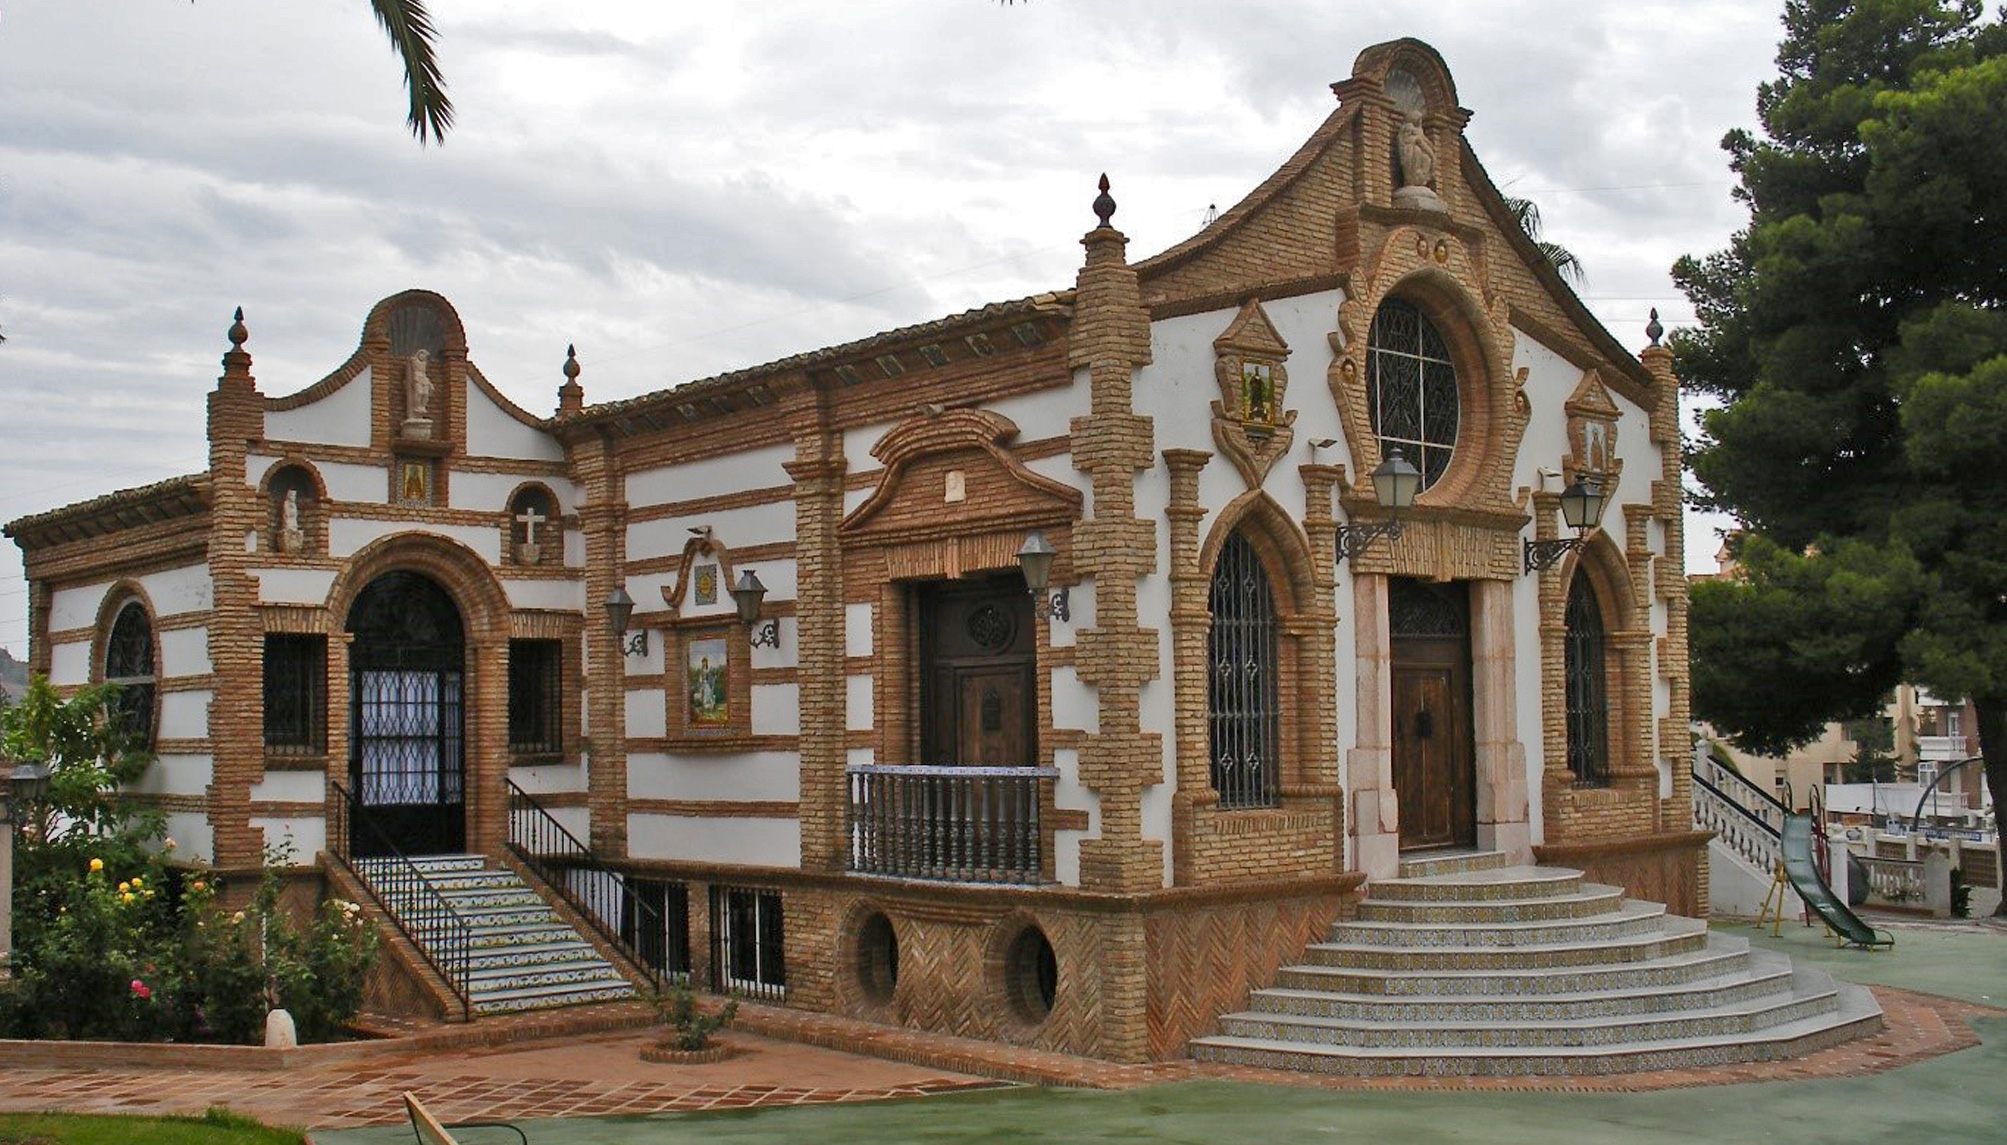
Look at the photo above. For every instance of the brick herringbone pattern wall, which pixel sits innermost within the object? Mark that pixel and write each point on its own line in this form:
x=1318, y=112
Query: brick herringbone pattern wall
x=1204, y=961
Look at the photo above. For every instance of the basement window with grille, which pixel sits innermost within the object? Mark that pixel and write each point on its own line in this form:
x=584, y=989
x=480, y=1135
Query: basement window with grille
x=536, y=716
x=747, y=943
x=656, y=926
x=296, y=694
x=1242, y=705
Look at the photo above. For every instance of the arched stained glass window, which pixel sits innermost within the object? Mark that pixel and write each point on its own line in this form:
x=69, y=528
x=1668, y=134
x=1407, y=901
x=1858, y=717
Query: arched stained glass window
x=129, y=664
x=1588, y=686
x=1411, y=390
x=1241, y=651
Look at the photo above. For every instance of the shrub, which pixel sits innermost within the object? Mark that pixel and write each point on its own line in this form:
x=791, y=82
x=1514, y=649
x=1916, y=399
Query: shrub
x=693, y=1028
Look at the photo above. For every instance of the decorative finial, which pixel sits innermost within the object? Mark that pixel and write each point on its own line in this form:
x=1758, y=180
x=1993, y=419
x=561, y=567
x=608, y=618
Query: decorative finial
x=238, y=334
x=1653, y=329
x=571, y=362
x=1104, y=203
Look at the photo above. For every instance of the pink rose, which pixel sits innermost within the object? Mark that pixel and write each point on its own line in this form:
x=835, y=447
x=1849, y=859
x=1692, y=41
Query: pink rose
x=141, y=989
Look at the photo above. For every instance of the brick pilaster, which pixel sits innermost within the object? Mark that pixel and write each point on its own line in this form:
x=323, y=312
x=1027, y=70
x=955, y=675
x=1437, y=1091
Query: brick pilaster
x=1190, y=621
x=818, y=470
x=602, y=514
x=236, y=637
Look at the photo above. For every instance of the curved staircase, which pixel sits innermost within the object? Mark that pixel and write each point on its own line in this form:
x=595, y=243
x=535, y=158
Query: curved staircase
x=1464, y=965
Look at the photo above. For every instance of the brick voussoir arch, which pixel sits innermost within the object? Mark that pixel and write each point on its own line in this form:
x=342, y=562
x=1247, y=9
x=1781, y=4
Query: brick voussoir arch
x=466, y=577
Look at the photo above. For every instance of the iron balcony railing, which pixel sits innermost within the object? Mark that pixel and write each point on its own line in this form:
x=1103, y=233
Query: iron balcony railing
x=406, y=896
x=950, y=824
x=606, y=898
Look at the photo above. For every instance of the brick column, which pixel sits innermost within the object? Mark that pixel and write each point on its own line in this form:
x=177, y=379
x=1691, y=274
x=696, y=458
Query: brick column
x=1109, y=338
x=602, y=515
x=236, y=637
x=1318, y=677
x=818, y=470
x=1190, y=621
x=1671, y=584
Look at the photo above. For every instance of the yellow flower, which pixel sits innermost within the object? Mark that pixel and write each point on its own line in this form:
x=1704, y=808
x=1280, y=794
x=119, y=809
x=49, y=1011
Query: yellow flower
x=169, y=844
x=127, y=896
x=97, y=864
x=238, y=917
x=149, y=894
x=123, y=887
x=198, y=884
x=137, y=881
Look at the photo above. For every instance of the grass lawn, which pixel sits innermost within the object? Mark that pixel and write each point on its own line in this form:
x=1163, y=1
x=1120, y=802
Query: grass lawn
x=213, y=1128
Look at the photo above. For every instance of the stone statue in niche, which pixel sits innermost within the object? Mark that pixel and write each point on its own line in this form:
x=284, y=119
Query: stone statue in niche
x=418, y=395
x=1417, y=162
x=292, y=539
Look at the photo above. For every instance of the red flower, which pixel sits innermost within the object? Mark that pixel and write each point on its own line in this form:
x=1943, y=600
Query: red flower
x=141, y=989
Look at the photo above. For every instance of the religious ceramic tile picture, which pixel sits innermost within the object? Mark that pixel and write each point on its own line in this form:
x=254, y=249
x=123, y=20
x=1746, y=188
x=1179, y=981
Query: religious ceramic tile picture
x=414, y=483
x=707, y=584
x=705, y=663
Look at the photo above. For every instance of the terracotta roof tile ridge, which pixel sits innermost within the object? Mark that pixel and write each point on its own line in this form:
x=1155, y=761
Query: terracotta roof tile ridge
x=1045, y=301
x=197, y=483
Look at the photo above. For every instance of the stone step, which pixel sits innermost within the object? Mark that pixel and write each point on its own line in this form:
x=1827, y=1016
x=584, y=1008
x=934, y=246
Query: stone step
x=482, y=919
x=1701, y=994
x=1718, y=956
x=1678, y=935
x=430, y=864
x=1744, y=1017
x=561, y=977
x=452, y=882
x=517, y=1001
x=531, y=954
x=1854, y=1014
x=1592, y=899
x=1450, y=862
x=1631, y=919
x=1481, y=886
x=496, y=894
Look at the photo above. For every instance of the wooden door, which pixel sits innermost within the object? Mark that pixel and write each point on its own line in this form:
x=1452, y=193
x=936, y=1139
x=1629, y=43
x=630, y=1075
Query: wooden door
x=1435, y=771
x=978, y=652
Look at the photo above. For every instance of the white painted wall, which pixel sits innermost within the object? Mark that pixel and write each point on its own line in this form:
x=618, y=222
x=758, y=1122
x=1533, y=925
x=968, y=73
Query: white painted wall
x=555, y=595
x=489, y=492
x=76, y=607
x=345, y=480
x=348, y=535
x=493, y=432
x=177, y=775
x=857, y=621
x=763, y=524
x=543, y=779
x=194, y=842
x=776, y=709
x=647, y=717
x=184, y=652
x=70, y=663
x=858, y=716
x=290, y=787
x=303, y=837
x=750, y=469
x=183, y=715
x=1069, y=794
x=738, y=840
x=755, y=776
x=341, y=418
x=175, y=591
x=294, y=586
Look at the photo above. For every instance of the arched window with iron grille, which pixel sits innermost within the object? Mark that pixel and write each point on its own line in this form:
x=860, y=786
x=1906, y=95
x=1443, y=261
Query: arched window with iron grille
x=1588, y=686
x=1242, y=707
x=129, y=664
x=1411, y=388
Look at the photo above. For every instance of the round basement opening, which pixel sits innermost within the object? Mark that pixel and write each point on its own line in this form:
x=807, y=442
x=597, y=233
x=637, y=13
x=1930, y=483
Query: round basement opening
x=878, y=958
x=1031, y=974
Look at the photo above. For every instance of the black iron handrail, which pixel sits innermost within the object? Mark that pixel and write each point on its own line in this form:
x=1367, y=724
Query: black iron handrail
x=604, y=897
x=407, y=897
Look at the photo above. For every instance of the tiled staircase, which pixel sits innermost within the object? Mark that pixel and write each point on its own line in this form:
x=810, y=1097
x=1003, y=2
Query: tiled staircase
x=1464, y=965
x=524, y=955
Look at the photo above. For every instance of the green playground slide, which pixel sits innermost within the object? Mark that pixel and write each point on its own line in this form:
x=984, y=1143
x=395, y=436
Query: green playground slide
x=1803, y=871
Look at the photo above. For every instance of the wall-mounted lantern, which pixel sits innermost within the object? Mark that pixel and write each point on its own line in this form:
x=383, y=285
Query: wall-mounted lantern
x=619, y=610
x=1582, y=510
x=748, y=595
x=1395, y=485
x=1034, y=559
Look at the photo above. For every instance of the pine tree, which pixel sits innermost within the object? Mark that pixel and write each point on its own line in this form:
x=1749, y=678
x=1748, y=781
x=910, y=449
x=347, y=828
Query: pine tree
x=1855, y=332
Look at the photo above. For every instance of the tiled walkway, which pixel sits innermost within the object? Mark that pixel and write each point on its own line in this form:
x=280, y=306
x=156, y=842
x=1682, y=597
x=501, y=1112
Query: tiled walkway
x=602, y=1074
x=583, y=1077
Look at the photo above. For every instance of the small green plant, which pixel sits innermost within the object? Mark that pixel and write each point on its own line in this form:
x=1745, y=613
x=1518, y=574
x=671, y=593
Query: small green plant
x=693, y=1028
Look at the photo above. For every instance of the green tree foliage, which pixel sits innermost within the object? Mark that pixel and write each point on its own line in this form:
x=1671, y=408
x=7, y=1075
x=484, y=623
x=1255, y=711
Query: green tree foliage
x=1856, y=334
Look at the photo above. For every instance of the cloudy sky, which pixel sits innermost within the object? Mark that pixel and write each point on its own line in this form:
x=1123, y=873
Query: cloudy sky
x=682, y=188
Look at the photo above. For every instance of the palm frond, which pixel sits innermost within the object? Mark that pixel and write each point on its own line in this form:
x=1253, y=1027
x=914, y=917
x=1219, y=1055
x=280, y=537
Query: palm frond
x=1527, y=214
x=409, y=27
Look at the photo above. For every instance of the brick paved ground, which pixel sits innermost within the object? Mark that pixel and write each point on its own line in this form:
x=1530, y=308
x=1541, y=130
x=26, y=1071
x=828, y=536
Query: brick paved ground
x=601, y=1074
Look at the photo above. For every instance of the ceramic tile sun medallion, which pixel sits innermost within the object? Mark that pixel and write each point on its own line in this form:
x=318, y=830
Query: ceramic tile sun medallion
x=1250, y=425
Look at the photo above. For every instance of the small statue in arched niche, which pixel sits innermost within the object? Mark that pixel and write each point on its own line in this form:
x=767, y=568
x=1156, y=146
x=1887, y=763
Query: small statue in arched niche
x=418, y=395
x=530, y=518
x=1417, y=162
x=291, y=489
x=292, y=538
